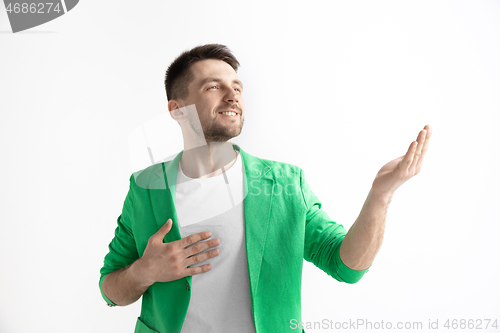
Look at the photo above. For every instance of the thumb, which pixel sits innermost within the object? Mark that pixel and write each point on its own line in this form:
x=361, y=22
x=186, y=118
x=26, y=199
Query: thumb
x=163, y=231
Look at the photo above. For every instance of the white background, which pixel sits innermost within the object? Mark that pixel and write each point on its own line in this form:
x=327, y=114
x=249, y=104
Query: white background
x=337, y=88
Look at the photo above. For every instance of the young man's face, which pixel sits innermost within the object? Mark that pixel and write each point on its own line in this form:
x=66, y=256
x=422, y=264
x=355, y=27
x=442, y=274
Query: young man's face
x=216, y=89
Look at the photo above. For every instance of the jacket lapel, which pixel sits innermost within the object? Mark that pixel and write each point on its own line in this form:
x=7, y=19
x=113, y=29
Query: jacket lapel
x=259, y=187
x=258, y=191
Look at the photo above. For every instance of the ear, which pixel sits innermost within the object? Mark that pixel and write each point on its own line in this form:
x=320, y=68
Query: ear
x=177, y=111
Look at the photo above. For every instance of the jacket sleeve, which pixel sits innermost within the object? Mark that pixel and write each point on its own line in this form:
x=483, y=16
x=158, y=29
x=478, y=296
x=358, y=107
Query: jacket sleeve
x=323, y=238
x=122, y=249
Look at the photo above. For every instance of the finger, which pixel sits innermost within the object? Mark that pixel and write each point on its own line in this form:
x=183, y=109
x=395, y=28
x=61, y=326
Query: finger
x=408, y=158
x=428, y=128
x=163, y=231
x=418, y=151
x=194, y=238
x=197, y=270
x=201, y=246
x=424, y=148
x=201, y=257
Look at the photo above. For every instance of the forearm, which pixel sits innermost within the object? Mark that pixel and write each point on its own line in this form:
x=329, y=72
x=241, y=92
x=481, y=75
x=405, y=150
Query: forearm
x=364, y=238
x=126, y=285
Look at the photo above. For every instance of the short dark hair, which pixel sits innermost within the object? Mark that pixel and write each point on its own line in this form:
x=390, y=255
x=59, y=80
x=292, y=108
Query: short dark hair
x=179, y=74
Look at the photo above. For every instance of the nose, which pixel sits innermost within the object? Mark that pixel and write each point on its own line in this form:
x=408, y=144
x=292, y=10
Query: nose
x=232, y=96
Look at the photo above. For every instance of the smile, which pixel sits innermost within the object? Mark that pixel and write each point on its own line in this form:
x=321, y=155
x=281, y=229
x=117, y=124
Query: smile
x=229, y=113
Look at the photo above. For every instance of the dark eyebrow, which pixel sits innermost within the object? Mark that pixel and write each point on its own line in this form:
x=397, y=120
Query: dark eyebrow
x=214, y=79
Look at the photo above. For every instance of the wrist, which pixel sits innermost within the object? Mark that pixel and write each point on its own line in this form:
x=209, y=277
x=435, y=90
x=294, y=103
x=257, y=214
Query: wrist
x=138, y=271
x=385, y=196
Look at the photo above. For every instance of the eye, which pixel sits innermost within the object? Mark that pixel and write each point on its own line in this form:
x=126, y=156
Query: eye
x=238, y=89
x=212, y=87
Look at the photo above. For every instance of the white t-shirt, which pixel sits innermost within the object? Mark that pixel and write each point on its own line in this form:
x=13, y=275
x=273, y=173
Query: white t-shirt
x=220, y=298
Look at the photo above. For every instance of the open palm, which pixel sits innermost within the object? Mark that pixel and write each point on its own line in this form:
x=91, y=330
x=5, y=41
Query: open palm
x=398, y=171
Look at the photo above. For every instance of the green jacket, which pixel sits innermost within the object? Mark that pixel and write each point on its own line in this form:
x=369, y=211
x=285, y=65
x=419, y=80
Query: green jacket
x=284, y=224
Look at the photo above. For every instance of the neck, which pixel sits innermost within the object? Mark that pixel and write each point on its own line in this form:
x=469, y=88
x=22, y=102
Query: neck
x=209, y=160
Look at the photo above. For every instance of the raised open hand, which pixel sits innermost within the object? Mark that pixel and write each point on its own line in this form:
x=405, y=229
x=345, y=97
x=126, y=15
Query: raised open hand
x=398, y=171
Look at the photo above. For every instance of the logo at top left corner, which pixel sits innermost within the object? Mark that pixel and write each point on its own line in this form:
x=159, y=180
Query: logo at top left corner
x=26, y=14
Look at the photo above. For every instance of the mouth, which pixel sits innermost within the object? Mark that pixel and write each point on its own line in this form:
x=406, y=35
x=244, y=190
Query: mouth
x=229, y=113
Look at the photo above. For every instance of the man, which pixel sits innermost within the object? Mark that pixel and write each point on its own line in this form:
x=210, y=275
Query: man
x=262, y=215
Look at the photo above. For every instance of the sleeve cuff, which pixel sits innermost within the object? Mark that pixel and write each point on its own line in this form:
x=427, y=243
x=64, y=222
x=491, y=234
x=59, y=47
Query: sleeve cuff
x=110, y=303
x=347, y=274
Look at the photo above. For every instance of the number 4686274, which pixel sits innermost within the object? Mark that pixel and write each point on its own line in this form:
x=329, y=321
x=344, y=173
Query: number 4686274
x=471, y=324
x=33, y=8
